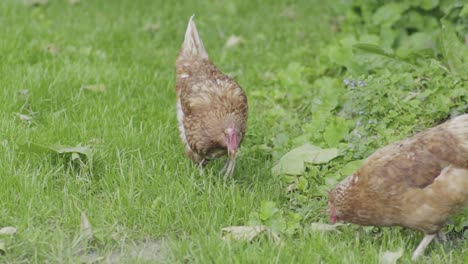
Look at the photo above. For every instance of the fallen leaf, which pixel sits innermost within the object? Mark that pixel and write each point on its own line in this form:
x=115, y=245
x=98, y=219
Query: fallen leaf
x=268, y=76
x=75, y=151
x=150, y=27
x=86, y=228
x=9, y=230
x=292, y=163
x=2, y=247
x=234, y=41
x=23, y=94
x=389, y=257
x=24, y=117
x=73, y=2
x=289, y=12
x=243, y=232
x=100, y=88
x=52, y=49
x=324, y=227
x=36, y=2
x=293, y=186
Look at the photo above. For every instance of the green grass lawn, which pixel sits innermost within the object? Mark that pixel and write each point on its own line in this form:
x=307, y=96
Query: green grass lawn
x=144, y=199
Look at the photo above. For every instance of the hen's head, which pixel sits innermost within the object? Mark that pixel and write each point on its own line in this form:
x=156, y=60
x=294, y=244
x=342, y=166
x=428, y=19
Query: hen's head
x=232, y=139
x=336, y=200
x=229, y=133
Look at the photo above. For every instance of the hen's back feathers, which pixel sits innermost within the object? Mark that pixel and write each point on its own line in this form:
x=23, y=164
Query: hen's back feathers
x=419, y=160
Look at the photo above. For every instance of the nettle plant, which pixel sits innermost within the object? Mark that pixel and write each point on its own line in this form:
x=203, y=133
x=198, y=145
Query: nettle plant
x=391, y=73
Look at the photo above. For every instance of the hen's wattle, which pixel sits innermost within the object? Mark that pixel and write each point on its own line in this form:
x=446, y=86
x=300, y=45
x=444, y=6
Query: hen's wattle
x=211, y=106
x=418, y=183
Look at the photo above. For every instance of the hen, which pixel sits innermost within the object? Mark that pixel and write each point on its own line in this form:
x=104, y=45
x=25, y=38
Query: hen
x=211, y=107
x=418, y=183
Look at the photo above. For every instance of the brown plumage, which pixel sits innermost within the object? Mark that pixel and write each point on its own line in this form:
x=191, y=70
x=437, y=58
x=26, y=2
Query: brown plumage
x=211, y=107
x=418, y=183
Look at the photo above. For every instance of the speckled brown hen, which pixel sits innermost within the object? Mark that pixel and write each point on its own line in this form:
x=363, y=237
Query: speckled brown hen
x=211, y=107
x=418, y=183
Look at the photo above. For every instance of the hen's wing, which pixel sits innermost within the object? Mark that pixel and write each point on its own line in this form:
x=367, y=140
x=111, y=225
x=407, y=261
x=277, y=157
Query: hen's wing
x=419, y=160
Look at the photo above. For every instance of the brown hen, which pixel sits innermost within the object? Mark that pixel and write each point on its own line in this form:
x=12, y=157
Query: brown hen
x=418, y=183
x=211, y=107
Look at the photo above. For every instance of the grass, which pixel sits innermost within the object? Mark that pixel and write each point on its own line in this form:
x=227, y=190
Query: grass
x=141, y=187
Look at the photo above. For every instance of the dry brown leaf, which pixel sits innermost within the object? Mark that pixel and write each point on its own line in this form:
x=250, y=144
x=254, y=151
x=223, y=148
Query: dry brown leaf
x=242, y=232
x=100, y=88
x=233, y=41
x=9, y=230
x=390, y=257
x=324, y=227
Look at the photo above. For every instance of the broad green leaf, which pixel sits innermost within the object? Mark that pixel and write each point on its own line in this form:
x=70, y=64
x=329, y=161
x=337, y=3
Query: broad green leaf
x=267, y=210
x=293, y=223
x=293, y=162
x=277, y=223
x=369, y=39
x=335, y=132
x=448, y=43
x=428, y=4
x=389, y=13
x=371, y=57
x=292, y=76
x=351, y=167
x=415, y=43
x=464, y=11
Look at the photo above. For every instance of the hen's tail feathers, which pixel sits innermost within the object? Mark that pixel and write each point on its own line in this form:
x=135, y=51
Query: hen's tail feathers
x=193, y=45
